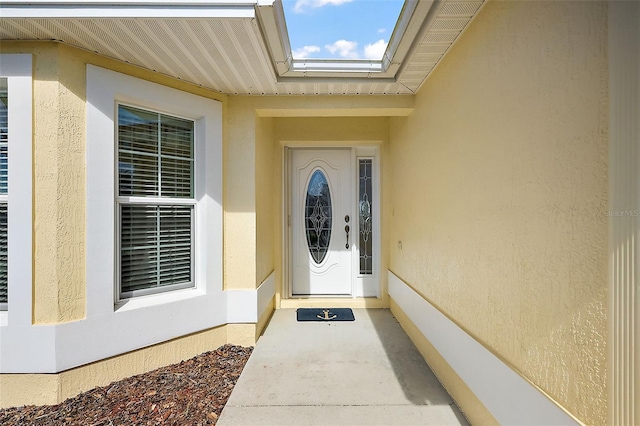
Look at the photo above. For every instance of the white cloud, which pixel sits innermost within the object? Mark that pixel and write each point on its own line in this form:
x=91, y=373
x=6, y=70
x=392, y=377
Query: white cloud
x=382, y=30
x=375, y=50
x=302, y=5
x=305, y=51
x=344, y=48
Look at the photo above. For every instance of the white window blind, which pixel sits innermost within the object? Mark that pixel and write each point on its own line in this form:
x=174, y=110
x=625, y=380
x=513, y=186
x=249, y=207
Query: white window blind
x=155, y=201
x=4, y=147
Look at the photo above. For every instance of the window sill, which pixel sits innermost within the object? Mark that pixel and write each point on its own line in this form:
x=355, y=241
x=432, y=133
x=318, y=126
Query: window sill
x=158, y=299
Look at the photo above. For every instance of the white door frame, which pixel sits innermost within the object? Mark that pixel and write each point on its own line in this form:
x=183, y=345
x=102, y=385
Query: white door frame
x=362, y=286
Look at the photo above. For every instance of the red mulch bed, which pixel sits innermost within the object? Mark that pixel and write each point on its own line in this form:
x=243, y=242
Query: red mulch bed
x=192, y=392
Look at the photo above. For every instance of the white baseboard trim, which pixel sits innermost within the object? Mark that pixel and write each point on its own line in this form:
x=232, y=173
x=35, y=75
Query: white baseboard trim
x=509, y=397
x=247, y=306
x=266, y=291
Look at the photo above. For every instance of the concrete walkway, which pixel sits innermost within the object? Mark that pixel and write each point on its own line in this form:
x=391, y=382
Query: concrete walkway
x=365, y=372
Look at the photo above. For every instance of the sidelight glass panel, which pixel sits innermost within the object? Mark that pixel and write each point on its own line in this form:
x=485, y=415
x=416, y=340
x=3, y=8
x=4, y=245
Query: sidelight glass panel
x=318, y=216
x=365, y=178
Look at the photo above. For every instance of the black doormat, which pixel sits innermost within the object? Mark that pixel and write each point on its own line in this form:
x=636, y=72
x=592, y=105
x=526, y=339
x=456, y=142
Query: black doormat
x=325, y=315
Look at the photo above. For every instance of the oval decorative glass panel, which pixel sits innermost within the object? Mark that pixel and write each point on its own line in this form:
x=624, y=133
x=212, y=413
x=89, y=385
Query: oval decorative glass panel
x=317, y=216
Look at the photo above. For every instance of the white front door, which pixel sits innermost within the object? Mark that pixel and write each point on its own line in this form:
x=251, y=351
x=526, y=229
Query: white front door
x=322, y=223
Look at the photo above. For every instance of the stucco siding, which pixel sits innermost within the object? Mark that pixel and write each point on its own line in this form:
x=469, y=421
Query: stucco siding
x=58, y=180
x=499, y=188
x=239, y=195
x=267, y=180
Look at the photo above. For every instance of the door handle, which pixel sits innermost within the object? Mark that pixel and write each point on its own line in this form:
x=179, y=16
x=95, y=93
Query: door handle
x=346, y=229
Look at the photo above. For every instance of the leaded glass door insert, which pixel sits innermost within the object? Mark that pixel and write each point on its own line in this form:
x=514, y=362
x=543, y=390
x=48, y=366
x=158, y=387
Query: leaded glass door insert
x=318, y=216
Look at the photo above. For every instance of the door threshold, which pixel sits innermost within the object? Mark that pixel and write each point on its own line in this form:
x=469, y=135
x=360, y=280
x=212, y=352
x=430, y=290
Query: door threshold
x=332, y=302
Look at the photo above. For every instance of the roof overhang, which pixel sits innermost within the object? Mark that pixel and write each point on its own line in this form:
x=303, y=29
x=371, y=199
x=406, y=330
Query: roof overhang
x=127, y=9
x=240, y=46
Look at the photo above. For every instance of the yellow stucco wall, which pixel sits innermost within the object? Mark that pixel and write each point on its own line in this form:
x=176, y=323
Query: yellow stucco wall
x=332, y=130
x=59, y=134
x=38, y=389
x=239, y=195
x=267, y=174
x=499, y=183
x=59, y=178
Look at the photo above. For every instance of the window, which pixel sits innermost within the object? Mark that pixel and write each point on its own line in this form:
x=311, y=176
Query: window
x=365, y=186
x=4, y=147
x=155, y=200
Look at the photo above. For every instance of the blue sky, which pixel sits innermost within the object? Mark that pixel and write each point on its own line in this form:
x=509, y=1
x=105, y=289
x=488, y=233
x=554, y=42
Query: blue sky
x=343, y=29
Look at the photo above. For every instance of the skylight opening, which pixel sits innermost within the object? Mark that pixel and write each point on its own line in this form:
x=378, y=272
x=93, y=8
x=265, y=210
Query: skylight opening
x=340, y=29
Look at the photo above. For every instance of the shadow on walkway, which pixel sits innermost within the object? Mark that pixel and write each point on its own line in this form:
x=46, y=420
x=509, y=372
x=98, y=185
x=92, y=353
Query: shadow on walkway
x=340, y=373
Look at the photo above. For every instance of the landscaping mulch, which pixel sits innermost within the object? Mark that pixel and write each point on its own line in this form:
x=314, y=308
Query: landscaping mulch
x=192, y=392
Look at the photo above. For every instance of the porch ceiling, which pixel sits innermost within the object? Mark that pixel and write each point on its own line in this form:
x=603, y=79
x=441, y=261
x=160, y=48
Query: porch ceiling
x=239, y=47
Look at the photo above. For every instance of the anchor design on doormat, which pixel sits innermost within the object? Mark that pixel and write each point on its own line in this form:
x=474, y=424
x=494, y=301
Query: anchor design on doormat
x=326, y=316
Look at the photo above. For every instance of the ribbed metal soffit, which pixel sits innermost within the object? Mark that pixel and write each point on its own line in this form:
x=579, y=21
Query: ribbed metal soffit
x=231, y=54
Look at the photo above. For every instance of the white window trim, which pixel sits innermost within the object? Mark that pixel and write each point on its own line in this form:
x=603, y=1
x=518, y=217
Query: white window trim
x=105, y=90
x=18, y=70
